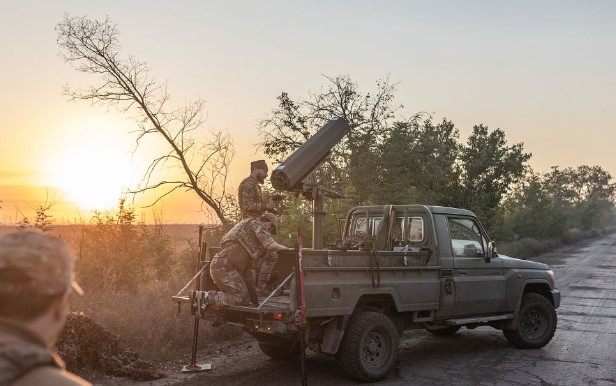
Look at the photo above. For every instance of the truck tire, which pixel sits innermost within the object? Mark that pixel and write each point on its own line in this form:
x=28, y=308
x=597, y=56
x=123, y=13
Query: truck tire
x=279, y=349
x=536, y=323
x=449, y=330
x=369, y=347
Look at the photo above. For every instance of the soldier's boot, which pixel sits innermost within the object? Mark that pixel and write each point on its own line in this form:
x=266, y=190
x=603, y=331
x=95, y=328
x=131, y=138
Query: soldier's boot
x=199, y=300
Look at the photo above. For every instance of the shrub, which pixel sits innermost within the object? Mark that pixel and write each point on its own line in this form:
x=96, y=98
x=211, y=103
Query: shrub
x=528, y=247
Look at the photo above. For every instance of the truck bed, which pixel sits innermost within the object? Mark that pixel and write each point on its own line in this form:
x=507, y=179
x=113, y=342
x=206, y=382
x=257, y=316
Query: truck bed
x=274, y=304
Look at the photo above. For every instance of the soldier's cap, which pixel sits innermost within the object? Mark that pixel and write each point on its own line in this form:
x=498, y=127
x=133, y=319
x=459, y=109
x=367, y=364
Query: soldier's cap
x=259, y=164
x=271, y=218
x=32, y=263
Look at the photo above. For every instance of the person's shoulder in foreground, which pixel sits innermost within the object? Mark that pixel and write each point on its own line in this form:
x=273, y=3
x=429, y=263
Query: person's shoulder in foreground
x=36, y=280
x=50, y=376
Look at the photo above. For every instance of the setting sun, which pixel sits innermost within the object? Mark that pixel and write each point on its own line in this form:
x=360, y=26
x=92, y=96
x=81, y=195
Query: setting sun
x=91, y=171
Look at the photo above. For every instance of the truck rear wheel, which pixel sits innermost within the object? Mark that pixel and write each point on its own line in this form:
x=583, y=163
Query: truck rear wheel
x=536, y=323
x=369, y=347
x=278, y=348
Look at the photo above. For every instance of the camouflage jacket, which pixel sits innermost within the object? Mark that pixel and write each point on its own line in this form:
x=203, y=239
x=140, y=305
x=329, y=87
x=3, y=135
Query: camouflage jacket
x=254, y=239
x=24, y=359
x=250, y=198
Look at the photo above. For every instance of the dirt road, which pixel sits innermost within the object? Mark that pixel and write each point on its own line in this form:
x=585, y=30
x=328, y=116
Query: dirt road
x=581, y=353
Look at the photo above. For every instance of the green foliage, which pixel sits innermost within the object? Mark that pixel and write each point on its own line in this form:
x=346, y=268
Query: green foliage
x=569, y=204
x=529, y=246
x=417, y=163
x=532, y=212
x=369, y=115
x=488, y=167
x=115, y=251
x=384, y=160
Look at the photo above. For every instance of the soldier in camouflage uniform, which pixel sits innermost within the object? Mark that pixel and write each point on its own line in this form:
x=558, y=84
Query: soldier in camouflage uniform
x=249, y=194
x=36, y=280
x=251, y=206
x=232, y=268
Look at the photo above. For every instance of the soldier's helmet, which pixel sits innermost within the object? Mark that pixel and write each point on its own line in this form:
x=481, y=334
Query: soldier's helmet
x=271, y=218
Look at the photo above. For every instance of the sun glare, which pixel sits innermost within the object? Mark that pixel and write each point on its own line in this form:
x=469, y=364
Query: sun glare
x=91, y=171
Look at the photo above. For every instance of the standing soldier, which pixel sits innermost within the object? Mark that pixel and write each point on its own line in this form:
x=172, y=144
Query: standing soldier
x=232, y=267
x=251, y=206
x=36, y=280
x=249, y=194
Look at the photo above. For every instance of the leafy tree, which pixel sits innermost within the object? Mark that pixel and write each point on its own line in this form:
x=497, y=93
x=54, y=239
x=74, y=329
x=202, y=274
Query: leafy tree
x=417, y=163
x=587, y=191
x=532, y=211
x=488, y=167
x=369, y=115
x=573, y=202
x=93, y=47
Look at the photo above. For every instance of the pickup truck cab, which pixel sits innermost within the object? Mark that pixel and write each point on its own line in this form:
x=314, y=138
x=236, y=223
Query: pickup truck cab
x=398, y=267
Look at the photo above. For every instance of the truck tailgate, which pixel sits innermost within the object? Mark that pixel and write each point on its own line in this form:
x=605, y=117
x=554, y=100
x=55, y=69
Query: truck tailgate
x=273, y=304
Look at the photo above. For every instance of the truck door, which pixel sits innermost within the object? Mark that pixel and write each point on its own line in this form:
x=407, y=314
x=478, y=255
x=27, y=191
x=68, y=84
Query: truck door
x=479, y=286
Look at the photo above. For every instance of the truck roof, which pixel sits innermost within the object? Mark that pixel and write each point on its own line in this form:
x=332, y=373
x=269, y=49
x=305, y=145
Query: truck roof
x=435, y=209
x=449, y=210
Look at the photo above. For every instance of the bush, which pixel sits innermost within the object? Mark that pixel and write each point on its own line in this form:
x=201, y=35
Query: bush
x=528, y=247
x=575, y=235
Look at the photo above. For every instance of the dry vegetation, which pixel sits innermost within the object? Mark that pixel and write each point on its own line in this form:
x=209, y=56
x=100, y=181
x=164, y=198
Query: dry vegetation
x=129, y=272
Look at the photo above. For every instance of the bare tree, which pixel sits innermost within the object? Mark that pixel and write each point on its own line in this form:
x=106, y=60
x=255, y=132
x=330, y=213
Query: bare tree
x=92, y=47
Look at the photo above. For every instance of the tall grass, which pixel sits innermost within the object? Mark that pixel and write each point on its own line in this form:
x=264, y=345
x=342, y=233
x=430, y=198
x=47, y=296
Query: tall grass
x=129, y=272
x=147, y=320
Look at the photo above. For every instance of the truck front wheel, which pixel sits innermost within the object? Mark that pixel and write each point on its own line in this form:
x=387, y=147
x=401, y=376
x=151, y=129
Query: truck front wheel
x=536, y=323
x=369, y=347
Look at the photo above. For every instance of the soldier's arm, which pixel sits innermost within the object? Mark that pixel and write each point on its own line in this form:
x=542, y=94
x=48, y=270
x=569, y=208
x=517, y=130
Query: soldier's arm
x=277, y=247
x=268, y=242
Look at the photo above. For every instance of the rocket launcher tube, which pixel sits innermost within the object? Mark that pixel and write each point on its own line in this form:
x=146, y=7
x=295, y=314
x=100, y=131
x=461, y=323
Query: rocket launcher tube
x=290, y=174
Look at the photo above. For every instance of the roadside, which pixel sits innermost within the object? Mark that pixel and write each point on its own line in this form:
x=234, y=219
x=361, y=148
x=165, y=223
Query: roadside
x=223, y=357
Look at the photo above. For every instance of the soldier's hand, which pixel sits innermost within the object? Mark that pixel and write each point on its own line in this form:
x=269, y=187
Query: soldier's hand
x=270, y=204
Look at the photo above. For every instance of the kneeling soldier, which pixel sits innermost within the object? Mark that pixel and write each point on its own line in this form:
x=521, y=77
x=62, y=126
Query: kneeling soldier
x=232, y=268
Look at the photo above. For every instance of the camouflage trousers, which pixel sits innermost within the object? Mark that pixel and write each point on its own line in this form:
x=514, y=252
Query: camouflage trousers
x=265, y=268
x=233, y=288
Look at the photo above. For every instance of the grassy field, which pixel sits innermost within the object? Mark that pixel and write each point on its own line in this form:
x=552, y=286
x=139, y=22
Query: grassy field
x=139, y=310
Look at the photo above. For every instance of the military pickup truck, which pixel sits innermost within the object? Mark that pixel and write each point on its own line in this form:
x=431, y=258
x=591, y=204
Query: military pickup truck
x=396, y=268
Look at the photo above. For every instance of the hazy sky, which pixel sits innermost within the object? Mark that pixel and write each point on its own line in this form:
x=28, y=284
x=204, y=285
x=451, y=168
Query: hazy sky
x=543, y=71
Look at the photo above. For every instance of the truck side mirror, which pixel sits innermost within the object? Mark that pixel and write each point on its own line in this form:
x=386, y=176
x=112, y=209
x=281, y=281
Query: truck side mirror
x=491, y=251
x=470, y=250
